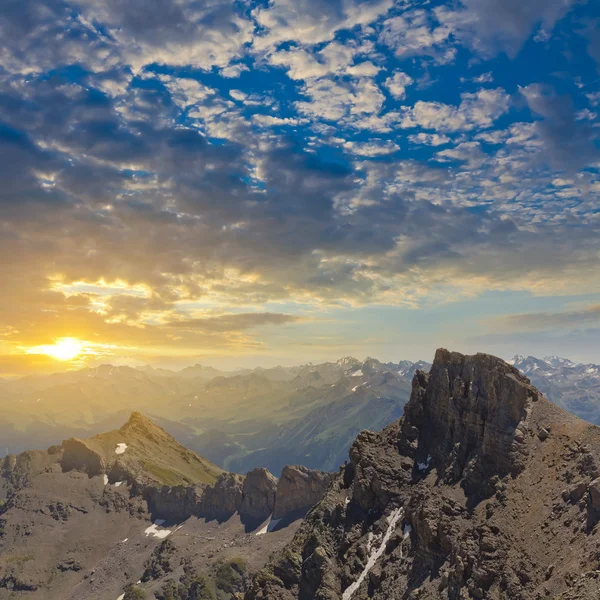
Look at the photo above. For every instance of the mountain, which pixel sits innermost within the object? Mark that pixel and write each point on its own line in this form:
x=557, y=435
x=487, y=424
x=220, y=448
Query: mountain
x=132, y=512
x=367, y=398
x=307, y=414
x=573, y=386
x=484, y=489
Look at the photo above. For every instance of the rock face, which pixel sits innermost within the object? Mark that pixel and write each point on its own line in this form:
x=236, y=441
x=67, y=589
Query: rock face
x=78, y=456
x=258, y=495
x=299, y=489
x=222, y=499
x=459, y=499
x=466, y=414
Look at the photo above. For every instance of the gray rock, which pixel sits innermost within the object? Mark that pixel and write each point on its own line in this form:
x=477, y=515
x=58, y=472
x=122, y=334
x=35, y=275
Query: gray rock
x=299, y=489
x=258, y=495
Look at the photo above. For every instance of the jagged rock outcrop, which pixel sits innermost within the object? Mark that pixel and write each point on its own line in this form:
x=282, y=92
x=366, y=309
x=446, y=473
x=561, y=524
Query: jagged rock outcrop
x=299, y=489
x=78, y=456
x=462, y=498
x=466, y=414
x=222, y=499
x=258, y=495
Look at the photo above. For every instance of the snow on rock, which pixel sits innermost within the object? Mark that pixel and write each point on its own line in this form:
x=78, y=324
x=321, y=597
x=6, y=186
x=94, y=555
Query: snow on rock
x=156, y=532
x=358, y=373
x=424, y=466
x=269, y=526
x=120, y=449
x=105, y=479
x=119, y=483
x=392, y=519
x=121, y=597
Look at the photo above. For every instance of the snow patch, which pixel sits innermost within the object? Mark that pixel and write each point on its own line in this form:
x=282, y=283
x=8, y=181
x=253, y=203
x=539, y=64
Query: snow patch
x=120, y=449
x=121, y=597
x=269, y=526
x=392, y=519
x=105, y=479
x=358, y=373
x=424, y=466
x=156, y=532
x=119, y=483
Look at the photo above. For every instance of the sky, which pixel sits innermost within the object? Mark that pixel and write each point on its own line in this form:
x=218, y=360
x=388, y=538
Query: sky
x=273, y=182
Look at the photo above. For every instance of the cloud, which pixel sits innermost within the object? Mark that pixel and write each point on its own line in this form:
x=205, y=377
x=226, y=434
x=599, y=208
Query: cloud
x=477, y=110
x=416, y=33
x=429, y=139
x=371, y=148
x=312, y=23
x=492, y=26
x=543, y=321
x=567, y=142
x=233, y=322
x=398, y=83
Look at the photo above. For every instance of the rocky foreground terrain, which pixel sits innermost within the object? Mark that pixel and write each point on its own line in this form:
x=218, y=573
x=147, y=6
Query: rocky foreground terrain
x=133, y=514
x=483, y=490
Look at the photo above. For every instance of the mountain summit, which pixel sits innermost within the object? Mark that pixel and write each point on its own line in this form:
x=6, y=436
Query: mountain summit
x=483, y=489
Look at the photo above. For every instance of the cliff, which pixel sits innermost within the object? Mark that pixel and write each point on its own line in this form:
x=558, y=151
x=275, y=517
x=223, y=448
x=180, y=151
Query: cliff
x=483, y=489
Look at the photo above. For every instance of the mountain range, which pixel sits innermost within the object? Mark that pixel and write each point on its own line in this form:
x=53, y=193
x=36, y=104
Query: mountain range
x=307, y=414
x=483, y=488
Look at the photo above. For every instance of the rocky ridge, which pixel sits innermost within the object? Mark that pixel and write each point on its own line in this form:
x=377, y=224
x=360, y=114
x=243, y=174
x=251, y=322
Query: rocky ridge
x=93, y=511
x=483, y=489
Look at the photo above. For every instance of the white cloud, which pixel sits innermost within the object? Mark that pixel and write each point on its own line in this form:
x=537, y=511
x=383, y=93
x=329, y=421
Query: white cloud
x=398, y=83
x=268, y=120
x=429, y=139
x=371, y=148
x=364, y=69
x=312, y=23
x=334, y=100
x=476, y=110
x=238, y=95
x=186, y=92
x=414, y=33
x=233, y=71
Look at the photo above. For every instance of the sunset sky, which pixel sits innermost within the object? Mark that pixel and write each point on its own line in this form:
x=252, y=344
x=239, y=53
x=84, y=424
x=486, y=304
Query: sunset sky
x=273, y=182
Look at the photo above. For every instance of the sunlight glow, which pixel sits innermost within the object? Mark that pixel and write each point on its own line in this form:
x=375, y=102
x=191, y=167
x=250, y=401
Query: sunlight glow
x=64, y=349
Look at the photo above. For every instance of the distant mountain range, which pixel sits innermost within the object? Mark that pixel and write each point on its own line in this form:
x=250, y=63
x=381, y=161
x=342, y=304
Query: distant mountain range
x=306, y=414
x=573, y=386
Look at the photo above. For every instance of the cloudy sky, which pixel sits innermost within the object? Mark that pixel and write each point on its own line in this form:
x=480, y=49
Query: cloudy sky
x=277, y=181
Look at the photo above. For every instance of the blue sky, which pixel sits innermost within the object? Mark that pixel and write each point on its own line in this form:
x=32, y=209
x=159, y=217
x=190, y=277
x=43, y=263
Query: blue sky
x=271, y=182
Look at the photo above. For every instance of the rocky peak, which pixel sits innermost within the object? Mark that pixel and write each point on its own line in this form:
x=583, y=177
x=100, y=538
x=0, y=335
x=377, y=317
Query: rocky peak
x=465, y=417
x=139, y=423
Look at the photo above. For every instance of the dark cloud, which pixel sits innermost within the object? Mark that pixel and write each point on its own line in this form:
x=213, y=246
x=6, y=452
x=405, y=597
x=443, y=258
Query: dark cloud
x=569, y=143
x=492, y=26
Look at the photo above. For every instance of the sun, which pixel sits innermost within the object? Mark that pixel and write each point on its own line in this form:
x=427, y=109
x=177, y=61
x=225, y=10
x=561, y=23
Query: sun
x=63, y=349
